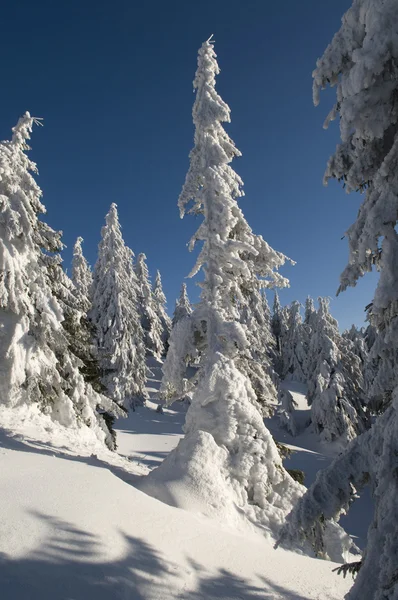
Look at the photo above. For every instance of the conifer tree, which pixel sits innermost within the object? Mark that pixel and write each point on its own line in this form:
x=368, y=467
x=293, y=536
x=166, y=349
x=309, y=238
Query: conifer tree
x=278, y=327
x=81, y=274
x=150, y=320
x=335, y=383
x=115, y=315
x=310, y=311
x=362, y=62
x=39, y=364
x=227, y=452
x=254, y=361
x=183, y=306
x=294, y=353
x=160, y=305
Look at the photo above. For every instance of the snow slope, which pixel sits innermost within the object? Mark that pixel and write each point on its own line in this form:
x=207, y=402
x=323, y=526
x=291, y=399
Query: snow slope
x=310, y=455
x=75, y=527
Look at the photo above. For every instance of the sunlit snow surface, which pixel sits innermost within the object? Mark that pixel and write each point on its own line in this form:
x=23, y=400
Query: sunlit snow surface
x=74, y=526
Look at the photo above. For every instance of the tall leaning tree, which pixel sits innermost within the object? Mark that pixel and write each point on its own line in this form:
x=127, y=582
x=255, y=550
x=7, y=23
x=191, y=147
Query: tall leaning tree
x=362, y=63
x=227, y=457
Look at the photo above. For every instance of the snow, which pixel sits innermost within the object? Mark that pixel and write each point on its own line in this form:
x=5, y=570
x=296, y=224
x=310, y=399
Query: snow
x=310, y=454
x=76, y=527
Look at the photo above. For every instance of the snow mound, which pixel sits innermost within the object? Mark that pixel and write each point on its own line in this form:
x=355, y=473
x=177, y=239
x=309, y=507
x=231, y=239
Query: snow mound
x=74, y=527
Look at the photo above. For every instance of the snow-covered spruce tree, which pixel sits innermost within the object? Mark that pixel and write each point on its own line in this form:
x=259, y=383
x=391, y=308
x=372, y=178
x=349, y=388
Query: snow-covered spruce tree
x=309, y=312
x=254, y=360
x=183, y=306
x=160, y=304
x=270, y=338
x=39, y=364
x=228, y=457
x=362, y=61
x=76, y=302
x=294, y=352
x=81, y=274
x=278, y=327
x=178, y=375
x=114, y=313
x=335, y=381
x=150, y=320
x=358, y=344
x=308, y=326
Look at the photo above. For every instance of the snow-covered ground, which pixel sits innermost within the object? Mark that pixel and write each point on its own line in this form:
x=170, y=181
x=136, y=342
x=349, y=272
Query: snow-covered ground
x=74, y=525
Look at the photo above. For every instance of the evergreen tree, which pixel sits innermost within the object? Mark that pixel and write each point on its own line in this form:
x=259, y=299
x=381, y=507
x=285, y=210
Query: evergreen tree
x=81, y=274
x=114, y=313
x=225, y=436
x=160, y=304
x=254, y=360
x=148, y=306
x=310, y=312
x=362, y=62
x=307, y=331
x=358, y=343
x=294, y=353
x=335, y=383
x=183, y=306
x=38, y=361
x=278, y=328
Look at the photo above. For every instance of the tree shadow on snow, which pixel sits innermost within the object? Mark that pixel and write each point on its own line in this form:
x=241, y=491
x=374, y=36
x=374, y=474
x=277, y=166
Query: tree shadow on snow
x=71, y=564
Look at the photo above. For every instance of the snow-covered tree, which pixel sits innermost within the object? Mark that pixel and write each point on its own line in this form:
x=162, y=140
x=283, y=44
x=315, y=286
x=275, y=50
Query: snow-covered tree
x=310, y=312
x=278, y=328
x=362, y=62
x=37, y=353
x=335, y=385
x=358, y=343
x=160, y=305
x=255, y=359
x=81, y=274
x=115, y=315
x=150, y=320
x=227, y=453
x=294, y=351
x=183, y=306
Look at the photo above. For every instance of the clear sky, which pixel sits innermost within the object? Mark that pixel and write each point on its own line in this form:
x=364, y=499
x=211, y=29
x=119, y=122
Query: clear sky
x=113, y=82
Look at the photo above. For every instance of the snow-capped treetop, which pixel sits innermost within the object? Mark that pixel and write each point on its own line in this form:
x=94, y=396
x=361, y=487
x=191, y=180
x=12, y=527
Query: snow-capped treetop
x=23, y=233
x=294, y=351
x=142, y=273
x=310, y=311
x=81, y=272
x=231, y=254
x=149, y=308
x=115, y=315
x=183, y=306
x=160, y=307
x=158, y=289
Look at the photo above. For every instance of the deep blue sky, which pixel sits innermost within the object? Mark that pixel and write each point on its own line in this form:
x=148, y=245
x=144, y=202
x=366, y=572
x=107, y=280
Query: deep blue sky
x=113, y=82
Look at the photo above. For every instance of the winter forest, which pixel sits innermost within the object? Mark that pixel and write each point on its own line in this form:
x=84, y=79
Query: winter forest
x=226, y=446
